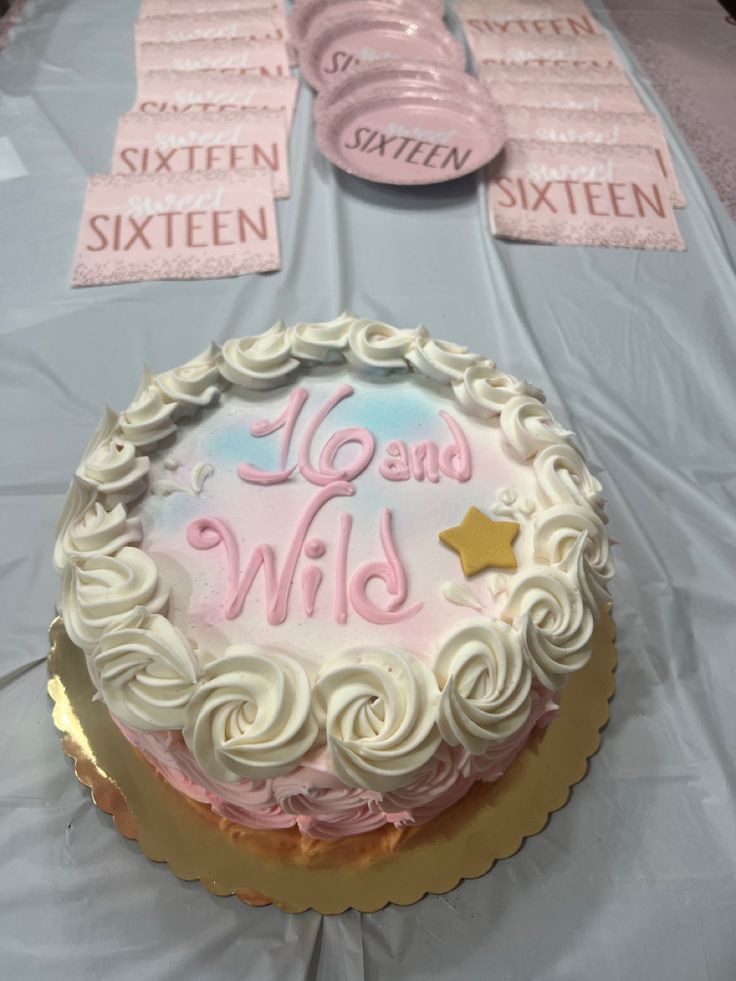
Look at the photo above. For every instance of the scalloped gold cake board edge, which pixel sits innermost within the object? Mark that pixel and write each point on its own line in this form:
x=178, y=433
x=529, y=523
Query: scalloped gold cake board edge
x=363, y=872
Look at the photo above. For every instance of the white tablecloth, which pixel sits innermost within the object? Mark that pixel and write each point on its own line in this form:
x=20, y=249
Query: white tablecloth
x=637, y=353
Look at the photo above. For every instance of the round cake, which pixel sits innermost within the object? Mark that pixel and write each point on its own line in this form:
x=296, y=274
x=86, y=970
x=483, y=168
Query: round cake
x=331, y=575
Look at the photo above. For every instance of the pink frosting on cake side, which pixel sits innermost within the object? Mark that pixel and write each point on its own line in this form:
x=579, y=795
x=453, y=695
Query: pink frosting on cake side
x=324, y=806
x=439, y=785
x=317, y=802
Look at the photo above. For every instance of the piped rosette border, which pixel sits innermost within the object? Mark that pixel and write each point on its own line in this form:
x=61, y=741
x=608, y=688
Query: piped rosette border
x=376, y=736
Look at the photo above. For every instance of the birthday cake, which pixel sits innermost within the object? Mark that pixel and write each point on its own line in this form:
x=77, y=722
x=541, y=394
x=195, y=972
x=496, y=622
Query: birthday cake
x=331, y=575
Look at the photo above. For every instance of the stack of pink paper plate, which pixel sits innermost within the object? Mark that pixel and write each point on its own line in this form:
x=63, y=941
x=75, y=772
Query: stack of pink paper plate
x=309, y=15
x=408, y=123
x=394, y=105
x=343, y=34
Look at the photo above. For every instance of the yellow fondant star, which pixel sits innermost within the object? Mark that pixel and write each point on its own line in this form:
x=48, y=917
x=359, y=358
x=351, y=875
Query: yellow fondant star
x=481, y=542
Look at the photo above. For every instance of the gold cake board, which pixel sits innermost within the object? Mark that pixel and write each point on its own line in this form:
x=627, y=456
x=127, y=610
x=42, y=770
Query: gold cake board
x=365, y=872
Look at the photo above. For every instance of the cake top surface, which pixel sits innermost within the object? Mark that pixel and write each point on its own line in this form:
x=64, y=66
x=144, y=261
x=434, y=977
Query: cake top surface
x=343, y=535
x=413, y=463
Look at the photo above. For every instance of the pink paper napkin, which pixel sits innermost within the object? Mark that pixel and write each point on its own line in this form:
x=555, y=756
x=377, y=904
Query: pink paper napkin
x=601, y=128
x=252, y=25
x=224, y=25
x=578, y=194
x=527, y=49
x=154, y=8
x=264, y=58
x=166, y=143
x=529, y=9
x=550, y=25
x=556, y=95
x=176, y=226
x=491, y=71
x=212, y=91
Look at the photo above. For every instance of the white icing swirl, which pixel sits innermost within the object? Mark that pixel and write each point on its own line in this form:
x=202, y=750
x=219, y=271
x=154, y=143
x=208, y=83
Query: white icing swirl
x=147, y=420
x=460, y=595
x=201, y=473
x=528, y=427
x=593, y=585
x=260, y=362
x=441, y=361
x=325, y=342
x=193, y=384
x=483, y=390
x=111, y=465
x=80, y=496
x=146, y=671
x=379, y=709
x=251, y=715
x=378, y=346
x=546, y=606
x=557, y=530
x=96, y=591
x=486, y=685
x=94, y=532
x=564, y=478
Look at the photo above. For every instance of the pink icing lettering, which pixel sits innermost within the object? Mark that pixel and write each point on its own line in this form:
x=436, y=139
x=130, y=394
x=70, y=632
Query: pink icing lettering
x=419, y=461
x=327, y=472
x=397, y=466
x=205, y=533
x=311, y=581
x=365, y=441
x=455, y=459
x=425, y=462
x=264, y=427
x=391, y=573
x=315, y=548
x=341, y=568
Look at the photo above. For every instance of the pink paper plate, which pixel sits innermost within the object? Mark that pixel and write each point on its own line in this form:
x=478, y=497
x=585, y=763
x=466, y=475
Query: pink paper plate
x=432, y=6
x=409, y=136
x=336, y=45
x=403, y=74
x=312, y=12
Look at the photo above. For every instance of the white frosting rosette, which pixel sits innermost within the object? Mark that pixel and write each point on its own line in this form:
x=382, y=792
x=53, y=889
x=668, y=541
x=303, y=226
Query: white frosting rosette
x=558, y=529
x=80, y=496
x=146, y=671
x=378, y=708
x=148, y=418
x=528, y=427
x=486, y=685
x=94, y=592
x=563, y=477
x=194, y=384
x=441, y=361
x=380, y=347
x=483, y=390
x=593, y=586
x=260, y=362
x=494, y=763
x=87, y=530
x=325, y=342
x=251, y=715
x=110, y=463
x=555, y=624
